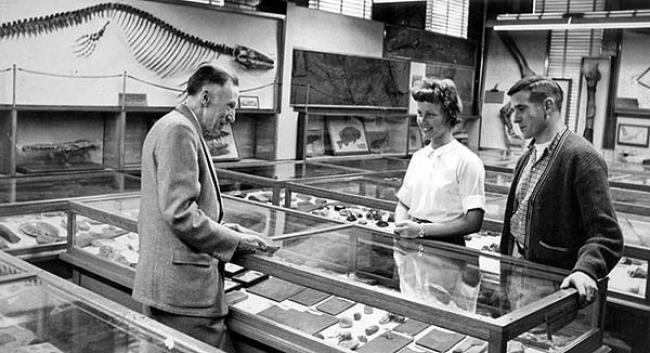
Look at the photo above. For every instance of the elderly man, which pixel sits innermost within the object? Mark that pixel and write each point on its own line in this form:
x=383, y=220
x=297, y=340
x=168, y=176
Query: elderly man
x=183, y=244
x=559, y=210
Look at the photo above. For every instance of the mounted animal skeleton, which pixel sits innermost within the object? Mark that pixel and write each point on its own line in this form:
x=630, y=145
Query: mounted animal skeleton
x=154, y=43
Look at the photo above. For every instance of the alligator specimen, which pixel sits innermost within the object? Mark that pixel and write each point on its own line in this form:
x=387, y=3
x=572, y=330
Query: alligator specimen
x=154, y=43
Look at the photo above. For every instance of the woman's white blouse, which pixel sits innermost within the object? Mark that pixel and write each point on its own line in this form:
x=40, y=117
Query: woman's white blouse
x=443, y=184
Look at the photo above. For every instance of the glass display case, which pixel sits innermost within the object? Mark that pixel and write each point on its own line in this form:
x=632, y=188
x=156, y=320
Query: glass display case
x=346, y=287
x=33, y=232
x=420, y=294
x=106, y=228
x=370, y=199
x=66, y=185
x=42, y=313
x=32, y=208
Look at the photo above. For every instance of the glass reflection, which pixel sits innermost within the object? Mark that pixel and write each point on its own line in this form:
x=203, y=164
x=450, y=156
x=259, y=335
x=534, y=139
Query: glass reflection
x=437, y=280
x=49, y=187
x=36, y=317
x=377, y=164
x=453, y=279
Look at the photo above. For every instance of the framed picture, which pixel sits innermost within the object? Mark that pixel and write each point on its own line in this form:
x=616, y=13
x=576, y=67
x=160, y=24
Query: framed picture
x=593, y=100
x=415, y=138
x=633, y=135
x=249, y=102
x=222, y=146
x=378, y=135
x=347, y=136
x=565, y=84
x=314, y=143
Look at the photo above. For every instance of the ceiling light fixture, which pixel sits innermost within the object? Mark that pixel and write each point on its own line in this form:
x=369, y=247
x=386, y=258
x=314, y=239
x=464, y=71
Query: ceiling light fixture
x=568, y=21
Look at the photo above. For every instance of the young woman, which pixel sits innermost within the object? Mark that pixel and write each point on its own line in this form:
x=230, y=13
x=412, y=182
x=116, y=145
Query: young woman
x=442, y=196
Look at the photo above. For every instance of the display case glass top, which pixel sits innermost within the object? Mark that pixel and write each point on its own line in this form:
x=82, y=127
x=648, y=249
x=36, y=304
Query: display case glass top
x=371, y=164
x=268, y=220
x=291, y=170
x=378, y=186
x=67, y=185
x=51, y=315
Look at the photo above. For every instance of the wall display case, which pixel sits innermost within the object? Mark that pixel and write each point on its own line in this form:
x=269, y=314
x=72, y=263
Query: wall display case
x=336, y=131
x=81, y=138
x=88, y=104
x=67, y=185
x=40, y=312
x=337, y=288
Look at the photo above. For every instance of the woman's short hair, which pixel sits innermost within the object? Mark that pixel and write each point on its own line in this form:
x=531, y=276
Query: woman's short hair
x=540, y=88
x=209, y=74
x=442, y=92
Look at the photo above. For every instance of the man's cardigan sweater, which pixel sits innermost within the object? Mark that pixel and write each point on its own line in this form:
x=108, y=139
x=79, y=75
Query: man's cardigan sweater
x=571, y=222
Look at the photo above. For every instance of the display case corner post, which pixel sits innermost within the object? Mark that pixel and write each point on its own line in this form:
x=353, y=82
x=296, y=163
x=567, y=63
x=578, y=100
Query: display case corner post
x=305, y=123
x=71, y=227
x=13, y=86
x=497, y=343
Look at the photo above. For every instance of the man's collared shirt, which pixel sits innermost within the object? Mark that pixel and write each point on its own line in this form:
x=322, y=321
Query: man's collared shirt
x=530, y=175
x=443, y=184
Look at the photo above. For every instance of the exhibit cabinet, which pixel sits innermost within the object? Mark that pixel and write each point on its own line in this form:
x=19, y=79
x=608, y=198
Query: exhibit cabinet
x=351, y=105
x=369, y=200
x=50, y=139
x=82, y=101
x=32, y=208
x=40, y=312
x=368, y=192
x=336, y=287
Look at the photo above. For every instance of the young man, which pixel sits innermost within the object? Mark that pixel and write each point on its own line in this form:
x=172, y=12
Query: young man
x=559, y=210
x=183, y=245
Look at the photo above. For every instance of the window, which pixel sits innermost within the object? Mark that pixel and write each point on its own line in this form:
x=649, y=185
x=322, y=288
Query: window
x=448, y=17
x=356, y=8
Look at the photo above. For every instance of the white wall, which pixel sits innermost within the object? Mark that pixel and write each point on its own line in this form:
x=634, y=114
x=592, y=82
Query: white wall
x=325, y=32
x=634, y=63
